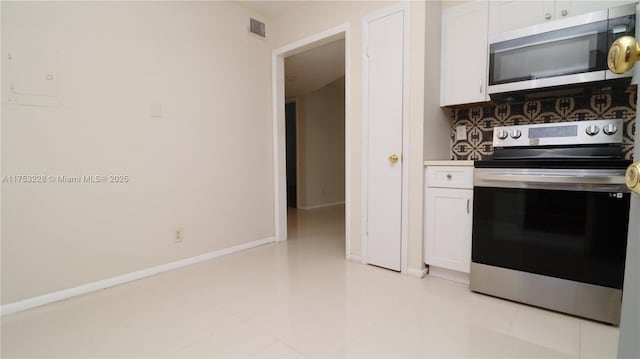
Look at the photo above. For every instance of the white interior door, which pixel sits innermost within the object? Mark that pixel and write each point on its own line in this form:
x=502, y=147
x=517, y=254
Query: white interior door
x=385, y=87
x=629, y=345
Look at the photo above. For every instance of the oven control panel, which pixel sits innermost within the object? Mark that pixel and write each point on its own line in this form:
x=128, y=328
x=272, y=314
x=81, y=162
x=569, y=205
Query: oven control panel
x=564, y=133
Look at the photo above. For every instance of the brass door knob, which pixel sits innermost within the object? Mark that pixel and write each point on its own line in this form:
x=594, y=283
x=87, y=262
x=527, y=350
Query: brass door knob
x=633, y=177
x=393, y=158
x=623, y=53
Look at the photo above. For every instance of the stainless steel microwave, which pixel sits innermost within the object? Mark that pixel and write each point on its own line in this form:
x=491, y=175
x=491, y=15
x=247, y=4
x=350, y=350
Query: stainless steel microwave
x=570, y=51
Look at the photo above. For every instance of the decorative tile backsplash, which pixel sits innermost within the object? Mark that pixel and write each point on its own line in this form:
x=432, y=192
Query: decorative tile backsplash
x=481, y=120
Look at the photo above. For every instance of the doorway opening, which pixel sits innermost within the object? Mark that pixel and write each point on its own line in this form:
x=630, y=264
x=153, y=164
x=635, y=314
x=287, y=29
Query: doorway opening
x=292, y=154
x=315, y=141
x=311, y=132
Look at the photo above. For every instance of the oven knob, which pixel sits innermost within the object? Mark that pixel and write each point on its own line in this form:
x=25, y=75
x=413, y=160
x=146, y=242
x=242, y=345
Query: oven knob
x=592, y=130
x=515, y=134
x=502, y=134
x=610, y=129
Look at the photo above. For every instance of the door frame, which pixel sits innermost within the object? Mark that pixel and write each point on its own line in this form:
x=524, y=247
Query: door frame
x=279, y=145
x=403, y=7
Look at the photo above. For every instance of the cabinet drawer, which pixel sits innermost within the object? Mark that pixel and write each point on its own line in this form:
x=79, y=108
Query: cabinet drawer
x=450, y=176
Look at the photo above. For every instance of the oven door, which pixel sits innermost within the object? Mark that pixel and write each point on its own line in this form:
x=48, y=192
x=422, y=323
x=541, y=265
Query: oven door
x=558, y=223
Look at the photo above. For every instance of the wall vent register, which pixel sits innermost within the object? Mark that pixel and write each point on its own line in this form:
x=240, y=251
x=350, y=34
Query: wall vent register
x=257, y=27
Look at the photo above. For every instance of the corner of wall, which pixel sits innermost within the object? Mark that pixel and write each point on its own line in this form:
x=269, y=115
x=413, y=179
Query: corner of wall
x=436, y=119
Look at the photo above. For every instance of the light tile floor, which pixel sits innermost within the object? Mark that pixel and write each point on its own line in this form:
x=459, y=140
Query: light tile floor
x=298, y=299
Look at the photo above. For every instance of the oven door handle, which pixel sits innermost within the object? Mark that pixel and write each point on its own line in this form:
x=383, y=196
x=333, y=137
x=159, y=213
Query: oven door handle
x=588, y=179
x=594, y=183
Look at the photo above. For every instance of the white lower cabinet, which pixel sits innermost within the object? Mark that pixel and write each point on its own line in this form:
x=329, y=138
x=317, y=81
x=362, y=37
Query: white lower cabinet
x=448, y=221
x=448, y=228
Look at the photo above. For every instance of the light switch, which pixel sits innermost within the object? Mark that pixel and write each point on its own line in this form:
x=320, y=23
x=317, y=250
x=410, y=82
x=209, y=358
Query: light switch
x=461, y=133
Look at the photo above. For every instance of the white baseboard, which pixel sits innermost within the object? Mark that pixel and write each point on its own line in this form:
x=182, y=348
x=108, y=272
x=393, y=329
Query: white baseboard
x=449, y=274
x=322, y=205
x=121, y=279
x=356, y=258
x=416, y=272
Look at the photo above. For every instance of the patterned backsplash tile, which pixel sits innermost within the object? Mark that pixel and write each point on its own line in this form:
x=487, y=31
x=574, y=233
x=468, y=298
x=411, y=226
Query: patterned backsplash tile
x=481, y=120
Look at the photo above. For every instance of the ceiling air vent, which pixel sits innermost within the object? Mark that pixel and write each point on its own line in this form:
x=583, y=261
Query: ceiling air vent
x=257, y=27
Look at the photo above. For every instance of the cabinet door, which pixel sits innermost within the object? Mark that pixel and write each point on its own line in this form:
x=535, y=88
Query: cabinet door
x=464, y=54
x=447, y=233
x=514, y=14
x=566, y=8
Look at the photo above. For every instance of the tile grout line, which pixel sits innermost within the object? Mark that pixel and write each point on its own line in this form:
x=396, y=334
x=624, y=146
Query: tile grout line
x=580, y=339
x=291, y=347
x=211, y=335
x=509, y=335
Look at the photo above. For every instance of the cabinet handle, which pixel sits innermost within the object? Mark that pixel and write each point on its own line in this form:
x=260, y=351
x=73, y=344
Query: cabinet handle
x=480, y=85
x=449, y=176
x=547, y=16
x=468, y=210
x=564, y=12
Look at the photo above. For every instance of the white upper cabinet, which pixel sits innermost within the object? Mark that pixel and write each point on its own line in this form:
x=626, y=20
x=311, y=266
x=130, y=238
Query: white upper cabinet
x=566, y=8
x=513, y=14
x=464, y=54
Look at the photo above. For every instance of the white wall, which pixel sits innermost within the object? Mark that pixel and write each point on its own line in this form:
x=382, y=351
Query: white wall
x=204, y=166
x=429, y=137
x=321, y=146
x=437, y=120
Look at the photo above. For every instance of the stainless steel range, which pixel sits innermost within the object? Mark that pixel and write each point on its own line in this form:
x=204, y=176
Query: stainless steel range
x=551, y=213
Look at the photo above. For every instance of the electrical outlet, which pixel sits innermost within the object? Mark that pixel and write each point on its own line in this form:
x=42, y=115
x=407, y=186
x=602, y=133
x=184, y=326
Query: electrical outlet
x=461, y=133
x=178, y=236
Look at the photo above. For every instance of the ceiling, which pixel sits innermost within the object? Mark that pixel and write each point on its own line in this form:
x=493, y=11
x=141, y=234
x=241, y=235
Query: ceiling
x=313, y=69
x=272, y=9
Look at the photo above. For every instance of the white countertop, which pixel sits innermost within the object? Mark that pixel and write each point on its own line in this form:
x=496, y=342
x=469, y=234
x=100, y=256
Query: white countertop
x=448, y=163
